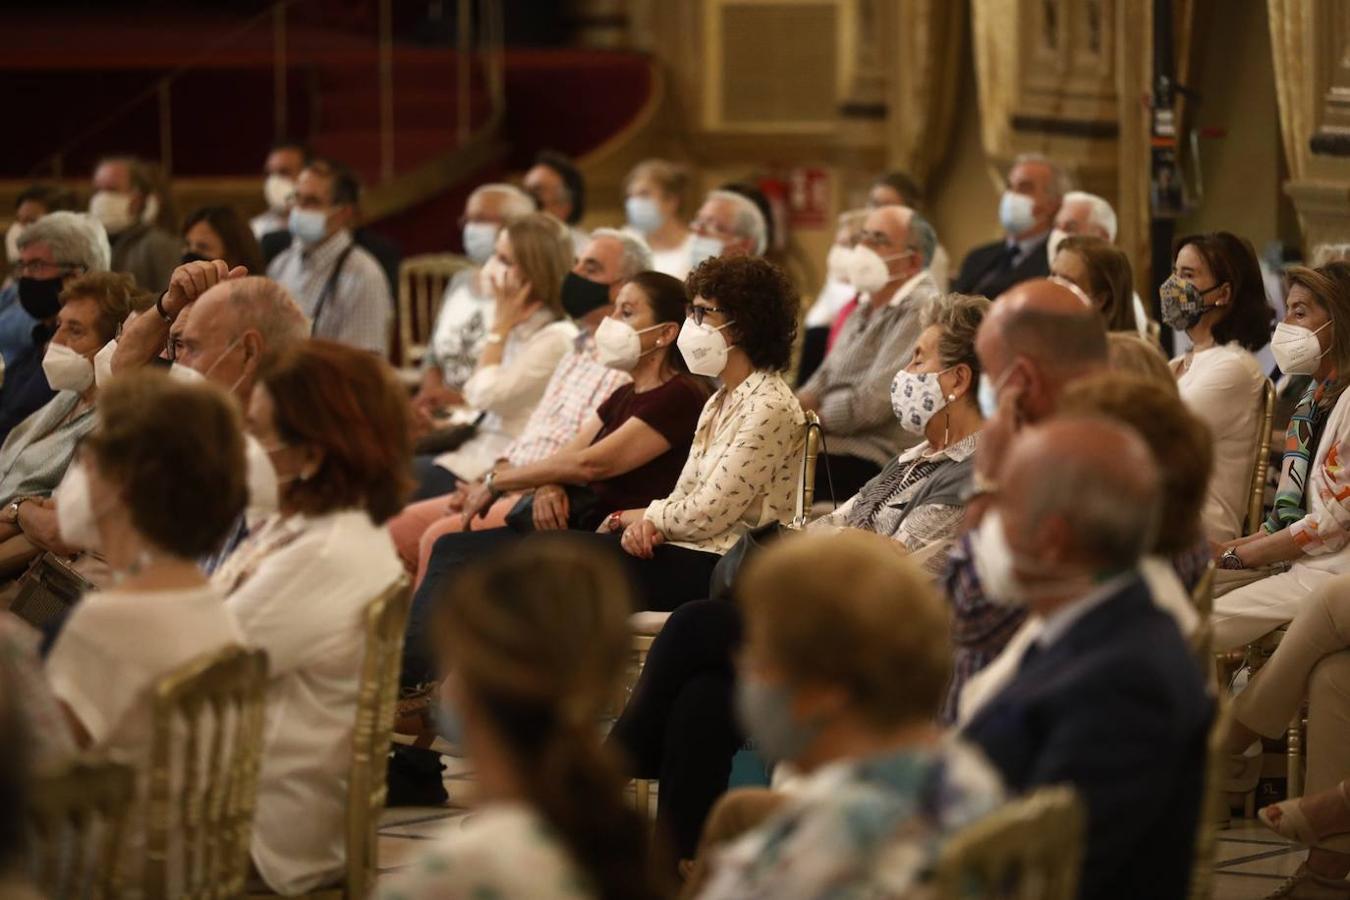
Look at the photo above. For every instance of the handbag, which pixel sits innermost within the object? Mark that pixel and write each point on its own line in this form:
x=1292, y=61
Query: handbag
x=583, y=510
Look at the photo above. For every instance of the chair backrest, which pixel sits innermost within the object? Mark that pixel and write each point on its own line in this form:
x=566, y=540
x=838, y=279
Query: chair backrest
x=1202, y=598
x=203, y=778
x=1256, y=504
x=806, y=488
x=386, y=619
x=421, y=287
x=1030, y=849
x=47, y=591
x=1213, y=803
x=76, y=825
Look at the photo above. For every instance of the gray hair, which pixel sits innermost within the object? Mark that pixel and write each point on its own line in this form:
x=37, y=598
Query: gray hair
x=516, y=203
x=1102, y=214
x=749, y=221
x=1060, y=182
x=922, y=238
x=958, y=317
x=76, y=239
x=637, y=256
x=266, y=307
x=1321, y=255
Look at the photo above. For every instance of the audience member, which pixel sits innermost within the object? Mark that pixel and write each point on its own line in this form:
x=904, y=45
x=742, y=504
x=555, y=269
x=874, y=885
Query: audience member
x=136, y=214
x=679, y=727
x=334, y=424
x=1132, y=746
x=533, y=643
x=749, y=189
x=838, y=298
x=1026, y=212
x=654, y=193
x=1215, y=295
x=157, y=441
x=281, y=171
x=531, y=334
x=827, y=683
x=1088, y=215
x=1328, y=253
x=1306, y=538
x=218, y=232
x=34, y=457
x=1102, y=272
x=1036, y=339
x=850, y=389
x=556, y=184
x=339, y=284
x=1128, y=352
x=465, y=317
x=896, y=188
x=53, y=251
x=727, y=224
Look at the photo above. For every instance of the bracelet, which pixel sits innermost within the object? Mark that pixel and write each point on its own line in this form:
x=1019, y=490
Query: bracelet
x=613, y=522
x=159, y=308
x=494, y=338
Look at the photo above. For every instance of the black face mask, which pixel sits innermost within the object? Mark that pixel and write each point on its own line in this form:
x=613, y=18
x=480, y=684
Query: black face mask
x=191, y=257
x=40, y=297
x=581, y=295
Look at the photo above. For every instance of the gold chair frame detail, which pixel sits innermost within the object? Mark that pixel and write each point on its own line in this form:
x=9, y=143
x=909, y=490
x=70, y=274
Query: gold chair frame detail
x=422, y=281
x=1256, y=502
x=62, y=816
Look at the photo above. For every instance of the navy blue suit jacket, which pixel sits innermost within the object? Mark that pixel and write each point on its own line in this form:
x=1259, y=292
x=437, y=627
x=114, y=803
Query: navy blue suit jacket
x=981, y=271
x=1116, y=707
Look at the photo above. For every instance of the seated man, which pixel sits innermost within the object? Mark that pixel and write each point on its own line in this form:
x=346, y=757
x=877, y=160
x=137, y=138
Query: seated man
x=727, y=224
x=280, y=170
x=339, y=285
x=130, y=201
x=16, y=325
x=851, y=391
x=1107, y=697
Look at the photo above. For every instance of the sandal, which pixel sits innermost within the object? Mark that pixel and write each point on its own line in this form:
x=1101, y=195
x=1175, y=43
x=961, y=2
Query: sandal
x=1305, y=885
x=1287, y=820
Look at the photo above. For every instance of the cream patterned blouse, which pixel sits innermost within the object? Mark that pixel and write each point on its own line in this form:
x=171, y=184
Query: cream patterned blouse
x=742, y=469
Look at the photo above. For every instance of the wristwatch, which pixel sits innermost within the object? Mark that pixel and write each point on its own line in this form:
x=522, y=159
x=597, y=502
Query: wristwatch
x=488, y=481
x=1231, y=560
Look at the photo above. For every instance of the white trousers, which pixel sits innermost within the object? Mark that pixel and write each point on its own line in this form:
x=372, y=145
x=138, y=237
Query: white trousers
x=1246, y=613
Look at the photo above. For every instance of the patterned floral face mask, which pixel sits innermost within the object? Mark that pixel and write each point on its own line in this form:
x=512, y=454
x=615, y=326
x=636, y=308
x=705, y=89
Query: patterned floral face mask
x=1183, y=303
x=916, y=397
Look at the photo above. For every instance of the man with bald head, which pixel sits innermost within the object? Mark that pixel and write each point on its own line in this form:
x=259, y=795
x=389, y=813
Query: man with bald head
x=851, y=391
x=233, y=325
x=1035, y=188
x=1107, y=697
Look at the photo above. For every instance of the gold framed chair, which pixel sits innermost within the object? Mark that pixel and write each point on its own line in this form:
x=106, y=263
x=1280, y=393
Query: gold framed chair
x=1029, y=848
x=203, y=778
x=1202, y=598
x=1256, y=503
x=76, y=824
x=806, y=489
x=421, y=287
x=1213, y=804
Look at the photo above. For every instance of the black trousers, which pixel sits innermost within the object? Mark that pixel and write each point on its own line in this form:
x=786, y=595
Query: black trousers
x=431, y=479
x=846, y=473
x=680, y=725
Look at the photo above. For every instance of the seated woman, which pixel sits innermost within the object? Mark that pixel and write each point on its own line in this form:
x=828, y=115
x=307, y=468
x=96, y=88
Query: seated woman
x=1101, y=270
x=679, y=726
x=1308, y=531
x=334, y=424
x=859, y=724
x=34, y=457
x=529, y=336
x=156, y=442
x=1215, y=294
x=631, y=450
x=533, y=648
x=219, y=232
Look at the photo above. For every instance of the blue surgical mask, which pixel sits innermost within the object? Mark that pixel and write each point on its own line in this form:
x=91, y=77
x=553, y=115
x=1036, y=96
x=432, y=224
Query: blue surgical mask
x=764, y=710
x=480, y=239
x=309, y=226
x=703, y=247
x=643, y=214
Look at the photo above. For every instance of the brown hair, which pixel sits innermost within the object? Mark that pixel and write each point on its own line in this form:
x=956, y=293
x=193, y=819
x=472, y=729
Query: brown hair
x=1110, y=280
x=1232, y=261
x=542, y=246
x=538, y=635
x=176, y=451
x=820, y=635
x=1180, y=443
x=241, y=247
x=345, y=402
x=671, y=178
x=1130, y=354
x=1330, y=287
x=116, y=295
x=760, y=303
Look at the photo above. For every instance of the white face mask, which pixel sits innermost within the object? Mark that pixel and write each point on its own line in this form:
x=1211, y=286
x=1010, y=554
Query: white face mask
x=916, y=397
x=618, y=345
x=838, y=262
x=1016, y=213
x=480, y=239
x=76, y=519
x=993, y=561
x=186, y=373
x=263, y=488
x=12, y=241
x=277, y=191
x=1296, y=349
x=67, y=370
x=867, y=269
x=103, y=363
x=703, y=348
x=309, y=226
x=113, y=210
x=1057, y=235
x=704, y=247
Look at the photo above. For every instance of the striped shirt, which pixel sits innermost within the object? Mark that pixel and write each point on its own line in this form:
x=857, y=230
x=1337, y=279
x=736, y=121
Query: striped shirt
x=359, y=311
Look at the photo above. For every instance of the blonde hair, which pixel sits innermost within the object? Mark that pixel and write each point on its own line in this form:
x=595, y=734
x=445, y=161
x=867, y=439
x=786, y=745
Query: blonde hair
x=849, y=610
x=1130, y=354
x=671, y=178
x=542, y=246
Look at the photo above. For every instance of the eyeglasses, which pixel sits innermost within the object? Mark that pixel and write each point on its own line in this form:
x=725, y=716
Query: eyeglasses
x=875, y=238
x=31, y=268
x=697, y=313
x=710, y=228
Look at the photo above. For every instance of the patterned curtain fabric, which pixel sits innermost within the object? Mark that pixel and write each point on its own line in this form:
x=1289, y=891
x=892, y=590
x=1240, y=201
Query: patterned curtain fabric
x=921, y=52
